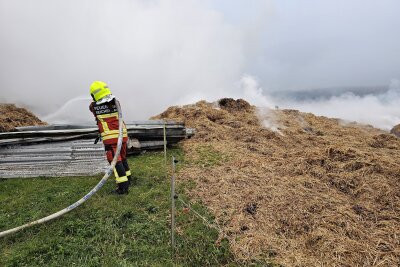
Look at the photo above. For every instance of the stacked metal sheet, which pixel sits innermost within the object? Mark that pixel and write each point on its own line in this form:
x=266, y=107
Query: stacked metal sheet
x=69, y=150
x=71, y=158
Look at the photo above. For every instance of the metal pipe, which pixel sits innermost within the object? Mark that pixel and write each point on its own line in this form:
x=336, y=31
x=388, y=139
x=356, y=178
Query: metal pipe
x=88, y=195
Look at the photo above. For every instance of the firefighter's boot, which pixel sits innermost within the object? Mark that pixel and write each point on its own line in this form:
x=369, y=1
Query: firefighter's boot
x=122, y=188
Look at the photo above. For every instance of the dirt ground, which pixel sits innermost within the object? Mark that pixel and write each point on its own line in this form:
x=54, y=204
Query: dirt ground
x=298, y=189
x=12, y=116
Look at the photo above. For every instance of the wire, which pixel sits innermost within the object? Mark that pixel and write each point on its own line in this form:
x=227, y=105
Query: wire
x=207, y=222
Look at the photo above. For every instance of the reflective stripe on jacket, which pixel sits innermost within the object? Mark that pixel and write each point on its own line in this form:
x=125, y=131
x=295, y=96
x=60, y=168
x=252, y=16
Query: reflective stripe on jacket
x=107, y=121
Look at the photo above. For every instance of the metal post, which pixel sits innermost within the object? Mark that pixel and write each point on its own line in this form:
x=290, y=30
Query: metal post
x=165, y=150
x=173, y=207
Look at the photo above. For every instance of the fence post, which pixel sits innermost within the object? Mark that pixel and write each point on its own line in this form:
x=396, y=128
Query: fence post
x=174, y=161
x=165, y=149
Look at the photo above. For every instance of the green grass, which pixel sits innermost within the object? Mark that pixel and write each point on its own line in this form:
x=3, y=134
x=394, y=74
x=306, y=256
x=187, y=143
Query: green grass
x=107, y=230
x=208, y=156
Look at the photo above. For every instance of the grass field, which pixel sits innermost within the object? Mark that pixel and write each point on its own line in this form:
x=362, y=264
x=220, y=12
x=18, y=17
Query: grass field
x=107, y=230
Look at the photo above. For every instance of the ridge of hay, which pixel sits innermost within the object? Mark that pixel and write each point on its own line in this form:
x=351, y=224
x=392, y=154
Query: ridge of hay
x=12, y=116
x=320, y=194
x=396, y=130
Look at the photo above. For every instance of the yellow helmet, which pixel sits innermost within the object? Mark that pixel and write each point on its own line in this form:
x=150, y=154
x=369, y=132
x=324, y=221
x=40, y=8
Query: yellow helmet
x=98, y=90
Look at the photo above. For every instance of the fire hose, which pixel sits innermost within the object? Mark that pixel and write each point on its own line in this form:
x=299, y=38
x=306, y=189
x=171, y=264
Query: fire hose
x=88, y=195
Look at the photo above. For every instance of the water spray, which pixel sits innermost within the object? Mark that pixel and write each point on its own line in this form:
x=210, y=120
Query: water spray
x=60, y=111
x=88, y=195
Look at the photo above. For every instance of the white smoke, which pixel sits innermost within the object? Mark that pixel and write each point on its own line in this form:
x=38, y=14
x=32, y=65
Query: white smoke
x=151, y=53
x=154, y=54
x=380, y=110
x=394, y=91
x=252, y=92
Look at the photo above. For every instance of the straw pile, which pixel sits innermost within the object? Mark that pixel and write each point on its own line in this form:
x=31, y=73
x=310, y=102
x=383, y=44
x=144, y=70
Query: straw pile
x=313, y=191
x=12, y=116
x=396, y=130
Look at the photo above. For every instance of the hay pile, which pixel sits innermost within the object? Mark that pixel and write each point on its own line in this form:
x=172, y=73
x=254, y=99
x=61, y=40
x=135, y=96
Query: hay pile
x=12, y=116
x=314, y=192
x=396, y=130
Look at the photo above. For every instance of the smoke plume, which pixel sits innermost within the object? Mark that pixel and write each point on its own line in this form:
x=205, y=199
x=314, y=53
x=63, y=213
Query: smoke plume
x=158, y=53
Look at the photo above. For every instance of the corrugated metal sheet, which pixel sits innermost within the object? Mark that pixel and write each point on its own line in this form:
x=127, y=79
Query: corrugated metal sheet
x=71, y=158
x=68, y=150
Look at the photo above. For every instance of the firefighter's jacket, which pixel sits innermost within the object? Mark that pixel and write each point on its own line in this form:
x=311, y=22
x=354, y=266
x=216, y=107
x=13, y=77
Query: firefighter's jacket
x=107, y=121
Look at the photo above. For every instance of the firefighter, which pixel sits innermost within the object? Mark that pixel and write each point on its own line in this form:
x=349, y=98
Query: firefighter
x=105, y=111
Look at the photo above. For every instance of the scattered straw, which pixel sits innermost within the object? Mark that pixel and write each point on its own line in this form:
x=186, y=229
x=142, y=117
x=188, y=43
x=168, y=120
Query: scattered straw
x=12, y=116
x=320, y=194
